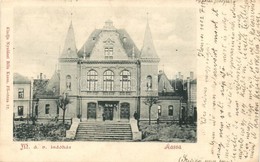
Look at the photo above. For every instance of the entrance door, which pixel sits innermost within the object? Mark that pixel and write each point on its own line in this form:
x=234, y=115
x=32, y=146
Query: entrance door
x=124, y=111
x=108, y=108
x=91, y=113
x=108, y=112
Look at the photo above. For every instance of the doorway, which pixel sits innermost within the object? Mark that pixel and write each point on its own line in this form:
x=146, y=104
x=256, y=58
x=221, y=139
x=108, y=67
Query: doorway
x=124, y=110
x=108, y=109
x=91, y=113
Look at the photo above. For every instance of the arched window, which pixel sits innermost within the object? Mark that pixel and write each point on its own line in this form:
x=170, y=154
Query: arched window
x=92, y=80
x=170, y=110
x=149, y=82
x=125, y=80
x=68, y=82
x=108, y=80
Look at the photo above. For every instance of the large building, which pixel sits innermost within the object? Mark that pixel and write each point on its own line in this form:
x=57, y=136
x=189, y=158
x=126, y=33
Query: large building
x=108, y=77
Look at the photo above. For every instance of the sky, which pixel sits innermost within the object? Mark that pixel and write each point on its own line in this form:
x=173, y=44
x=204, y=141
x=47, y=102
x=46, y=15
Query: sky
x=39, y=34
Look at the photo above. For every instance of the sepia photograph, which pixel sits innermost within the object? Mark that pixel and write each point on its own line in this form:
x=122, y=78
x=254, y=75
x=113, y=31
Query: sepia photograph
x=112, y=81
x=105, y=74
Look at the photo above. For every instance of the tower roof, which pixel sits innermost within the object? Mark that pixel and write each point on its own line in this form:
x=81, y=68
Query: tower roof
x=148, y=49
x=69, y=49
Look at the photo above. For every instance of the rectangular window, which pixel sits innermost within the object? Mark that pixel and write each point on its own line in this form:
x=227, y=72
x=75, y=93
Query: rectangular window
x=20, y=110
x=108, y=53
x=36, y=110
x=20, y=93
x=170, y=111
x=159, y=110
x=47, y=108
x=58, y=110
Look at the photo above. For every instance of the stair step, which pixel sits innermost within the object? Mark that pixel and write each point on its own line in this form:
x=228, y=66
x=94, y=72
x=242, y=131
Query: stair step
x=87, y=136
x=90, y=131
x=110, y=134
x=103, y=136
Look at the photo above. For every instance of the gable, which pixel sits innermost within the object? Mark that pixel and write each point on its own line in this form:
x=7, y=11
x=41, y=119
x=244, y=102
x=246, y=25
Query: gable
x=125, y=47
x=164, y=84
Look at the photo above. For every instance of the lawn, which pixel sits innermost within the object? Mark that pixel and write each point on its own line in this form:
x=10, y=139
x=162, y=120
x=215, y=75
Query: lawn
x=164, y=132
x=40, y=132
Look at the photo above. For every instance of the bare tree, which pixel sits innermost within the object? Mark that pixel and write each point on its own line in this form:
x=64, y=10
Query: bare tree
x=150, y=101
x=62, y=103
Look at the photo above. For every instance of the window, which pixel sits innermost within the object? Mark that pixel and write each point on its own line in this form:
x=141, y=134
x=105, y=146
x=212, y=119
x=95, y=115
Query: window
x=159, y=110
x=108, y=80
x=36, y=110
x=20, y=93
x=125, y=80
x=47, y=108
x=108, y=53
x=92, y=80
x=149, y=82
x=58, y=110
x=20, y=110
x=68, y=82
x=170, y=110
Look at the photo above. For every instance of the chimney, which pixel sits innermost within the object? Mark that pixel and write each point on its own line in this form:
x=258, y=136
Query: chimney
x=41, y=76
x=188, y=91
x=191, y=75
x=44, y=76
x=175, y=83
x=179, y=75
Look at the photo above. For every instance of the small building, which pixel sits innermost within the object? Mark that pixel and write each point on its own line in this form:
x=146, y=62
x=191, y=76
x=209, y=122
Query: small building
x=45, y=96
x=22, y=97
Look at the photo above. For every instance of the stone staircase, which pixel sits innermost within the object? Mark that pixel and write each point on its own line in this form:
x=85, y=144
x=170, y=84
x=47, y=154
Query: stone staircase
x=104, y=131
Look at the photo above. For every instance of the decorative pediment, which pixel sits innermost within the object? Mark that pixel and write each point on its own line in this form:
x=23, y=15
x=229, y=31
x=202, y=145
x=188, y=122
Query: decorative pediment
x=109, y=41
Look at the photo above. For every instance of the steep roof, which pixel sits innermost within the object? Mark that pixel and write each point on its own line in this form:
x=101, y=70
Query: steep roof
x=89, y=44
x=127, y=43
x=164, y=83
x=69, y=49
x=19, y=79
x=53, y=85
x=148, y=49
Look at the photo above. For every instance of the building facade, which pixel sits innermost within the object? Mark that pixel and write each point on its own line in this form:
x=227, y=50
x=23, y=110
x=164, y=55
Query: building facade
x=22, y=99
x=108, y=78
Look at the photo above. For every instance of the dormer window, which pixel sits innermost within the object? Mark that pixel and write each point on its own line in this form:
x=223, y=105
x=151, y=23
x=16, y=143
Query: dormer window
x=53, y=89
x=124, y=39
x=108, y=53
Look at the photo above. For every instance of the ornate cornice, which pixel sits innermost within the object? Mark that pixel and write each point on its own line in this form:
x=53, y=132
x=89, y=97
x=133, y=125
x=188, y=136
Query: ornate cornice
x=153, y=60
x=68, y=59
x=107, y=61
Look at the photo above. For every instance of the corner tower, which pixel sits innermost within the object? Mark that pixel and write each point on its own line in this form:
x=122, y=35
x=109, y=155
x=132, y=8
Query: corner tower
x=68, y=64
x=149, y=65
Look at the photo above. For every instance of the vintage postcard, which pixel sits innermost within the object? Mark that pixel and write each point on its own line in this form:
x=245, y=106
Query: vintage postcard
x=129, y=81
